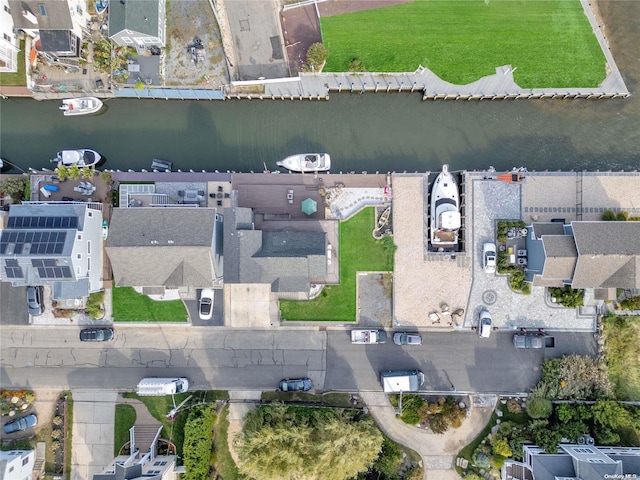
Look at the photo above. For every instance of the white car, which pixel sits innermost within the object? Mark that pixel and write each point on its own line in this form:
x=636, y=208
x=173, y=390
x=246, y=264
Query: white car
x=484, y=324
x=489, y=257
x=205, y=306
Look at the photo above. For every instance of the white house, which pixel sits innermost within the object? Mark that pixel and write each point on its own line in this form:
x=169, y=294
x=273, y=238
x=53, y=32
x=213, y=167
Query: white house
x=17, y=464
x=9, y=44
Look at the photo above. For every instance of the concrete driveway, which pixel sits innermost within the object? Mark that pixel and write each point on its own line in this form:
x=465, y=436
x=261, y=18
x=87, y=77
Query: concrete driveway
x=93, y=432
x=13, y=305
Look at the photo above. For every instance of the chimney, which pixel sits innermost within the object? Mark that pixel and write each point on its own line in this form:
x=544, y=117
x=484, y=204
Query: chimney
x=30, y=16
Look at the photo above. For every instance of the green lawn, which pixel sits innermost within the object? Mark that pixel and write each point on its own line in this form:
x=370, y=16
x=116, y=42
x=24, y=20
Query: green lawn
x=18, y=78
x=622, y=336
x=550, y=42
x=131, y=306
x=125, y=419
x=358, y=252
x=224, y=464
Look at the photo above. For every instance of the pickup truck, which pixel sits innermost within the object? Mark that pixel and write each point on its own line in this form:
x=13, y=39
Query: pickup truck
x=365, y=337
x=533, y=340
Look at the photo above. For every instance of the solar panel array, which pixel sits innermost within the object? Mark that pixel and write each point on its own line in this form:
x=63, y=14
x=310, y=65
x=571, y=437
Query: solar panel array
x=48, y=243
x=43, y=222
x=12, y=269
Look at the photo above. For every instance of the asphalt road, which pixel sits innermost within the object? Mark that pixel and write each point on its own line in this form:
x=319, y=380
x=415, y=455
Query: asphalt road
x=217, y=358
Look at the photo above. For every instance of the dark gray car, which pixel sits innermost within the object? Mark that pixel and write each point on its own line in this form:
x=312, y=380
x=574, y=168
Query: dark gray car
x=21, y=424
x=96, y=334
x=404, y=338
x=524, y=340
x=35, y=300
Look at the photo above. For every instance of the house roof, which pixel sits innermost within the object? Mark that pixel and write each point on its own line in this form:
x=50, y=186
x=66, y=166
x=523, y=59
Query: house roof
x=288, y=261
x=608, y=254
x=136, y=15
x=50, y=15
x=71, y=290
x=560, y=257
x=57, y=41
x=170, y=247
x=547, y=228
x=156, y=227
x=550, y=467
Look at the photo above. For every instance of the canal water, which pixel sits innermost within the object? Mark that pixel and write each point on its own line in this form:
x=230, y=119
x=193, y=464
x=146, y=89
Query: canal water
x=370, y=132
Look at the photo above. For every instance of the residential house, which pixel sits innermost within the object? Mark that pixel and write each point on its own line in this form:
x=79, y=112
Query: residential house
x=167, y=247
x=9, y=44
x=599, y=255
x=573, y=462
x=56, y=244
x=17, y=464
x=137, y=23
x=59, y=24
x=289, y=261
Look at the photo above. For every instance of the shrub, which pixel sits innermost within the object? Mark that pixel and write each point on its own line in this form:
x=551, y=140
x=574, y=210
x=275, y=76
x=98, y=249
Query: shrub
x=87, y=172
x=608, y=216
x=57, y=420
x=574, y=377
x=413, y=473
x=389, y=459
x=497, y=461
x=513, y=406
x=56, y=434
x=316, y=55
x=411, y=417
x=517, y=281
x=568, y=297
x=481, y=460
x=539, y=407
x=545, y=436
x=106, y=177
x=631, y=303
x=198, y=434
x=501, y=447
x=472, y=476
x=622, y=216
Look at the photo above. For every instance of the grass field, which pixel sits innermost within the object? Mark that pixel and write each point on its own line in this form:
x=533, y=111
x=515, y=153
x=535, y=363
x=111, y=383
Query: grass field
x=549, y=42
x=359, y=252
x=124, y=420
x=18, y=78
x=131, y=306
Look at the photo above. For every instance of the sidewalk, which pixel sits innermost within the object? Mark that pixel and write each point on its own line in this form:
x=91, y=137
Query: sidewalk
x=438, y=452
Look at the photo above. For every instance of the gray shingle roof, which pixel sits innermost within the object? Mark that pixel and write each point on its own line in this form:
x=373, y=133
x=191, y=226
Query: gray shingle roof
x=168, y=247
x=608, y=254
x=137, y=15
x=288, y=261
x=561, y=257
x=155, y=227
x=549, y=467
x=548, y=228
x=56, y=14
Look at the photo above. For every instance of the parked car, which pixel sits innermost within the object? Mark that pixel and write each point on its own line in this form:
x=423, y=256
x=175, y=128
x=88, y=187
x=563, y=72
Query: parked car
x=21, y=424
x=295, y=385
x=489, y=257
x=484, y=324
x=528, y=340
x=404, y=338
x=35, y=300
x=96, y=334
x=205, y=306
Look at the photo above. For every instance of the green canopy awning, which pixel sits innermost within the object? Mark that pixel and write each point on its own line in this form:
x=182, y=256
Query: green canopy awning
x=309, y=206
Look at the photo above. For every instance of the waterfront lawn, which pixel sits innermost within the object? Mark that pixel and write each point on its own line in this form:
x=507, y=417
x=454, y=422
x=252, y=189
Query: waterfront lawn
x=359, y=252
x=550, y=43
x=19, y=78
x=131, y=306
x=622, y=336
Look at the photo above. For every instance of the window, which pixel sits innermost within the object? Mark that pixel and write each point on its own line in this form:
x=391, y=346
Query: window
x=90, y=213
x=6, y=37
x=79, y=236
x=127, y=40
x=88, y=263
x=79, y=9
x=583, y=450
x=88, y=248
x=7, y=9
x=78, y=270
x=10, y=469
x=159, y=464
x=595, y=460
x=43, y=11
x=79, y=256
x=25, y=460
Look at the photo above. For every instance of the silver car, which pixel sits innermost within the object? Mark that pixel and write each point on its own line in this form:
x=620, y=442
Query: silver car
x=404, y=338
x=484, y=324
x=489, y=257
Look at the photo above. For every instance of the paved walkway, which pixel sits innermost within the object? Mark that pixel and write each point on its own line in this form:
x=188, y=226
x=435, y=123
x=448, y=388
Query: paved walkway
x=438, y=452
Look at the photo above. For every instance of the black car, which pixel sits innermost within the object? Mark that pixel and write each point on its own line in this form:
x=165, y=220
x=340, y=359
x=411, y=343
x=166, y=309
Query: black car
x=295, y=385
x=35, y=300
x=21, y=424
x=96, y=334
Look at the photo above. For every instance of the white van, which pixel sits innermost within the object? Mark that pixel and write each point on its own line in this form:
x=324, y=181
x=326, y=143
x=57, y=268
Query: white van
x=402, y=381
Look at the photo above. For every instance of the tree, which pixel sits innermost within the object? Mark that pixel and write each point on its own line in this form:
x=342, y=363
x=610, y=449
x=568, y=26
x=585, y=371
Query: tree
x=316, y=55
x=14, y=186
x=87, y=172
x=292, y=442
x=62, y=172
x=568, y=297
x=545, y=436
x=389, y=459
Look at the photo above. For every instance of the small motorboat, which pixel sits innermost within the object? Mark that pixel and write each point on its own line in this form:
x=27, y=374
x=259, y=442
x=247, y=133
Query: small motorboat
x=161, y=165
x=101, y=6
x=307, y=162
x=384, y=218
x=81, y=106
x=83, y=157
x=445, y=218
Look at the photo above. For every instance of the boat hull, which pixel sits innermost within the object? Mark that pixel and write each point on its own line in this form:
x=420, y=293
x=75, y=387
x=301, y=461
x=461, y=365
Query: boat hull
x=445, y=218
x=307, y=162
x=72, y=107
x=83, y=157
